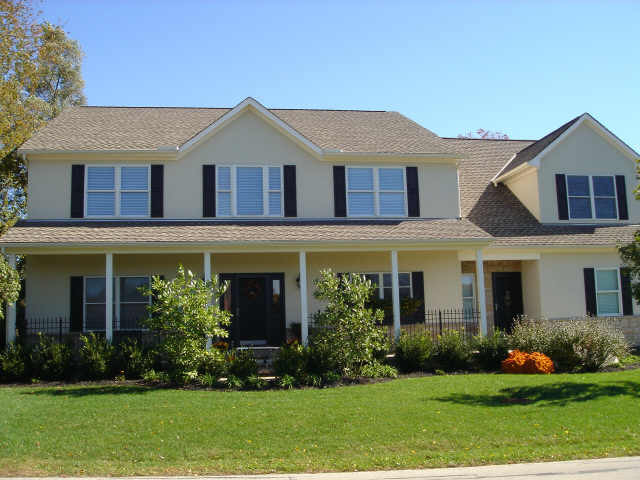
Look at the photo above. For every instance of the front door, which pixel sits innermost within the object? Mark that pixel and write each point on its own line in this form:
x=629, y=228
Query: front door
x=507, y=299
x=257, y=304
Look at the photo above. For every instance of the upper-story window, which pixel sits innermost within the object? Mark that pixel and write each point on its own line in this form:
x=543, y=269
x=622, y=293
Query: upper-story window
x=249, y=191
x=376, y=191
x=121, y=191
x=592, y=197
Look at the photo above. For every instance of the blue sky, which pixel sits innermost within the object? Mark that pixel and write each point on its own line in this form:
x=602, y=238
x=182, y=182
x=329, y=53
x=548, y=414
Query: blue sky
x=522, y=68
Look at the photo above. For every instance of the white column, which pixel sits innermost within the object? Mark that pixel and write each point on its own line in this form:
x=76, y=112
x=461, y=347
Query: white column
x=395, y=293
x=304, y=311
x=108, y=278
x=207, y=277
x=11, y=308
x=482, y=301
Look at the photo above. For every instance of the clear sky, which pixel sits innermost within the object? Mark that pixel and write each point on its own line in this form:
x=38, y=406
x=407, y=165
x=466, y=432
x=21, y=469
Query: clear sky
x=522, y=68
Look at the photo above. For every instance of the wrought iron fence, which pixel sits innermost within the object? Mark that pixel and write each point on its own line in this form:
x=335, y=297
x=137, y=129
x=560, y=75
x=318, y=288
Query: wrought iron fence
x=436, y=322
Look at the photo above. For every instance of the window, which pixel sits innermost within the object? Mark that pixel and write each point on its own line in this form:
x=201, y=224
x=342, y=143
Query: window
x=376, y=191
x=382, y=282
x=117, y=191
x=468, y=292
x=249, y=191
x=608, y=291
x=129, y=305
x=591, y=197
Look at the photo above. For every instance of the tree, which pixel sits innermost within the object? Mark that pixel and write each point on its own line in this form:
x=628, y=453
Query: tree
x=483, y=134
x=39, y=76
x=347, y=327
x=9, y=283
x=186, y=312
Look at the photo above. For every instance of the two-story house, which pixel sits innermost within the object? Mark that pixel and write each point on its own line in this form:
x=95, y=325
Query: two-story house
x=266, y=198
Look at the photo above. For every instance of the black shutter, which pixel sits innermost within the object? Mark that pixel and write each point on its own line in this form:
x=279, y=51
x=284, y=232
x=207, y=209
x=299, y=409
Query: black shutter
x=77, y=191
x=417, y=284
x=621, y=193
x=208, y=190
x=627, y=298
x=290, y=201
x=76, y=302
x=413, y=192
x=561, y=192
x=157, y=190
x=590, y=291
x=339, y=192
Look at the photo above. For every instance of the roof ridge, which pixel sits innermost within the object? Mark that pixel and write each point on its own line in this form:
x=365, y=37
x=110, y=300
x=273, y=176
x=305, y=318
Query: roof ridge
x=230, y=108
x=492, y=139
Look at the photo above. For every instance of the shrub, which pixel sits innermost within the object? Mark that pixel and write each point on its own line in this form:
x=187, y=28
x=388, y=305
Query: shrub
x=291, y=360
x=153, y=376
x=131, y=359
x=234, y=383
x=349, y=330
x=581, y=344
x=452, y=352
x=522, y=362
x=255, y=382
x=49, y=359
x=287, y=381
x=186, y=312
x=13, y=363
x=207, y=380
x=320, y=360
x=413, y=351
x=378, y=370
x=94, y=356
x=213, y=362
x=241, y=364
x=491, y=350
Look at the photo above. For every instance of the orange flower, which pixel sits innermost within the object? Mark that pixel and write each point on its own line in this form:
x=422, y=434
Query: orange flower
x=522, y=362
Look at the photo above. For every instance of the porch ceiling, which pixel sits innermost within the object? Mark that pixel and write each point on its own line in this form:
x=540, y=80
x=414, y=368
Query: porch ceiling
x=298, y=233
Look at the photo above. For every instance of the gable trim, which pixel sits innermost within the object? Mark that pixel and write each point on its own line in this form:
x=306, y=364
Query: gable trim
x=248, y=103
x=591, y=122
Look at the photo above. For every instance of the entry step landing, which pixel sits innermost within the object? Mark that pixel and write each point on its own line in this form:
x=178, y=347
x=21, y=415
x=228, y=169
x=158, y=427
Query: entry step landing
x=264, y=357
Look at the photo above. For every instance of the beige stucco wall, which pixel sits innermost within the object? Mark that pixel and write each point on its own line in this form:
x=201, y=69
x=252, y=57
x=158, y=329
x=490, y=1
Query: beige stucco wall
x=247, y=140
x=531, y=287
x=47, y=277
x=525, y=187
x=562, y=281
x=584, y=152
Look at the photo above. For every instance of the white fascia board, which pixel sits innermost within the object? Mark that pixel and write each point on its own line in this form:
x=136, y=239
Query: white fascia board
x=241, y=107
x=520, y=169
x=168, y=152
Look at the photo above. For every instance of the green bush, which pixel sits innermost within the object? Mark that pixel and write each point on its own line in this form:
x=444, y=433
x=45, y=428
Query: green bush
x=13, y=364
x=213, y=362
x=320, y=360
x=491, y=350
x=350, y=332
x=94, y=357
x=291, y=360
x=235, y=383
x=241, y=364
x=255, y=382
x=413, y=350
x=153, y=376
x=287, y=381
x=50, y=360
x=378, y=370
x=586, y=344
x=452, y=352
x=130, y=359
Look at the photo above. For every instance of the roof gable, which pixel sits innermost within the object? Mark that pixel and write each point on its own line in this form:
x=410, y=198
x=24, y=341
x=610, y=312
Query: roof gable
x=532, y=154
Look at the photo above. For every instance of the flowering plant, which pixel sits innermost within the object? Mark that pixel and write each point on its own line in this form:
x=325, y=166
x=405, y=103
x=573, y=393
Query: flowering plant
x=523, y=362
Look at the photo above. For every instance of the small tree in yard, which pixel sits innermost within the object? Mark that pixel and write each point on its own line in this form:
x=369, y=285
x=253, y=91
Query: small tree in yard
x=186, y=312
x=347, y=328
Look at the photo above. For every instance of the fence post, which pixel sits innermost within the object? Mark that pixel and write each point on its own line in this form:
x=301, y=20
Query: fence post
x=439, y=322
x=60, y=329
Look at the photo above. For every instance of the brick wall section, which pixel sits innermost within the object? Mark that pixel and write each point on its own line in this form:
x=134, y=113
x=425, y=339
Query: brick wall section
x=490, y=267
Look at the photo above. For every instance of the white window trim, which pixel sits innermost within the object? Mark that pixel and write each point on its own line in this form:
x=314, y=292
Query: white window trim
x=265, y=191
x=381, y=286
x=376, y=190
x=116, y=301
x=618, y=291
x=473, y=288
x=117, y=190
x=592, y=197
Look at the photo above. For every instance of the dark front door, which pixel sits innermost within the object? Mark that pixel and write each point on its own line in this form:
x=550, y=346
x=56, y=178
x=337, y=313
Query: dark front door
x=507, y=299
x=257, y=304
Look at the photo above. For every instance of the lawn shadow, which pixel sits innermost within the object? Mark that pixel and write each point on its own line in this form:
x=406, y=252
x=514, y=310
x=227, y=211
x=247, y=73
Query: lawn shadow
x=90, y=391
x=556, y=394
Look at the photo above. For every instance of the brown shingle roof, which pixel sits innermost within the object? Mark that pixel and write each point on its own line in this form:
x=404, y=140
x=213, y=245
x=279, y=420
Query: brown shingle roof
x=498, y=211
x=241, y=233
x=149, y=128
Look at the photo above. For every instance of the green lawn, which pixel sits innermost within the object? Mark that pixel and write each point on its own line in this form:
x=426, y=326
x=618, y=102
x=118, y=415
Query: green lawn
x=406, y=423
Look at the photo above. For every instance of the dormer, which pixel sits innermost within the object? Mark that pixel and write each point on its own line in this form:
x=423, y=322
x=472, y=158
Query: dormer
x=580, y=173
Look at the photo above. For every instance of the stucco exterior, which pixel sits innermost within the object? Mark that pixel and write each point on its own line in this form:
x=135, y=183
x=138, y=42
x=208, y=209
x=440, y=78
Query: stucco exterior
x=584, y=152
x=525, y=186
